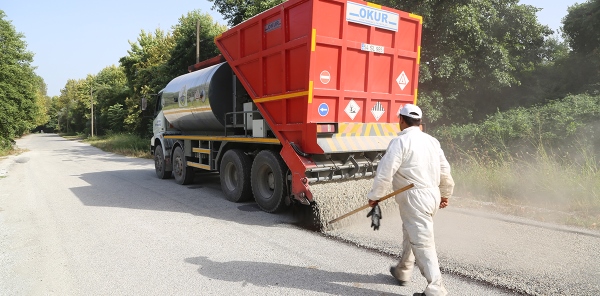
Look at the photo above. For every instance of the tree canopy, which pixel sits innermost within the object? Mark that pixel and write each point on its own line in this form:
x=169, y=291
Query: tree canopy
x=22, y=92
x=183, y=52
x=582, y=32
x=581, y=27
x=237, y=11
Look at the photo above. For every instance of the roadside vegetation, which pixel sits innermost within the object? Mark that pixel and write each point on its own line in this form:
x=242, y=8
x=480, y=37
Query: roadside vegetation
x=124, y=144
x=525, y=160
x=9, y=151
x=515, y=106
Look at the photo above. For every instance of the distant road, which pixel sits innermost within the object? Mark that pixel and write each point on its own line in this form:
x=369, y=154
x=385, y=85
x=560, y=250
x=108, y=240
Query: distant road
x=75, y=220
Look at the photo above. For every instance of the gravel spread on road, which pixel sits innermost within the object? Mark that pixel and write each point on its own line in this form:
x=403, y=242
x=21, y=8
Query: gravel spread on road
x=334, y=199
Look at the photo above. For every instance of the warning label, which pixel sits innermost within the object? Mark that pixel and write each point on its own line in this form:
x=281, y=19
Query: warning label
x=352, y=109
x=377, y=111
x=402, y=80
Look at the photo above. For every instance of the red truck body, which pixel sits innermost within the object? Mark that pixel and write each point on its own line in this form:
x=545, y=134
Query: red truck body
x=314, y=65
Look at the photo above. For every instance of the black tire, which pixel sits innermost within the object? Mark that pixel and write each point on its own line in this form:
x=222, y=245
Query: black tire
x=183, y=174
x=159, y=163
x=235, y=172
x=268, y=181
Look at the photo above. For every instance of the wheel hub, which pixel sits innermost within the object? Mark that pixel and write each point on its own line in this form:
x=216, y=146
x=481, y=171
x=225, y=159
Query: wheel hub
x=271, y=181
x=178, y=166
x=231, y=173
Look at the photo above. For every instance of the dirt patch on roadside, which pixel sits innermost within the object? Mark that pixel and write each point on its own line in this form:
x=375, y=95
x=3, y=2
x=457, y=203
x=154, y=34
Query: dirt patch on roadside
x=588, y=220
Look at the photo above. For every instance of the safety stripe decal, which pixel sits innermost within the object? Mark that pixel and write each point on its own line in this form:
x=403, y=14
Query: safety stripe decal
x=354, y=144
x=390, y=130
x=282, y=97
x=416, y=16
x=310, y=91
x=359, y=137
x=201, y=150
x=376, y=128
x=348, y=129
x=186, y=110
x=228, y=139
x=368, y=129
x=374, y=5
x=416, y=93
x=313, y=40
x=198, y=165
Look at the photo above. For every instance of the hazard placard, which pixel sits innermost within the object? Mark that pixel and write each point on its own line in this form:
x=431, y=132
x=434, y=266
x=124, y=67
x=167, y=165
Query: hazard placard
x=402, y=80
x=377, y=111
x=352, y=109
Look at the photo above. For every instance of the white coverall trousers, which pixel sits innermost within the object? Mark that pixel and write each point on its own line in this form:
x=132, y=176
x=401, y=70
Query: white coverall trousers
x=417, y=158
x=417, y=208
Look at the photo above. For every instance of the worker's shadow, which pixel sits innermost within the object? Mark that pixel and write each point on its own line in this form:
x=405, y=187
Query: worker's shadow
x=279, y=275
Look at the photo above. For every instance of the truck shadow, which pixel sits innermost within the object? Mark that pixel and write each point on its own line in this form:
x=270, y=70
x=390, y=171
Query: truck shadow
x=81, y=152
x=140, y=189
x=309, y=278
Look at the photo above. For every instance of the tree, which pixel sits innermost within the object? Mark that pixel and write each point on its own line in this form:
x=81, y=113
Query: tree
x=19, y=86
x=581, y=29
x=183, y=53
x=42, y=102
x=74, y=106
x=115, y=117
x=109, y=89
x=146, y=71
x=237, y=11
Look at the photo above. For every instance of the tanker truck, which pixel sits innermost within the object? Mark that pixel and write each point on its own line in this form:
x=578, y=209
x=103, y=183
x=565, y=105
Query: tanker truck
x=299, y=107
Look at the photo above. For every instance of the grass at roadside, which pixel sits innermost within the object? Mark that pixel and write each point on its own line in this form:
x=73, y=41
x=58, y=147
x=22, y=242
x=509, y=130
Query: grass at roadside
x=542, y=186
x=13, y=151
x=124, y=144
x=4, y=152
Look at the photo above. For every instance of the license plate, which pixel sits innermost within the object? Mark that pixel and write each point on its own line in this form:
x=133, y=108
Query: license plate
x=371, y=47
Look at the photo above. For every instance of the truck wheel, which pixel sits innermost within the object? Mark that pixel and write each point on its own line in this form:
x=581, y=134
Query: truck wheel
x=182, y=173
x=159, y=163
x=235, y=176
x=268, y=181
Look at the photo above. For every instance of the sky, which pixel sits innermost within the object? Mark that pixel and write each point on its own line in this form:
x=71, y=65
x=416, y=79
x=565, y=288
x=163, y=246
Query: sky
x=74, y=38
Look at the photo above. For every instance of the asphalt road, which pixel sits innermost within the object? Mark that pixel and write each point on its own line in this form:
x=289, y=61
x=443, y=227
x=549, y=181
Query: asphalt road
x=78, y=221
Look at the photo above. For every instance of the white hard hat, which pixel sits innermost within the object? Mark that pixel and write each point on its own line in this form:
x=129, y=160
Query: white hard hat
x=411, y=111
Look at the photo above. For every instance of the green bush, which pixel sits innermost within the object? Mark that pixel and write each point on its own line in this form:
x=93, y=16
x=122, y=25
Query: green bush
x=564, y=125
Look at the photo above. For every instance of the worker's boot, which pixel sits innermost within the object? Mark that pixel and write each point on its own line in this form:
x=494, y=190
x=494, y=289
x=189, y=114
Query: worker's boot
x=397, y=276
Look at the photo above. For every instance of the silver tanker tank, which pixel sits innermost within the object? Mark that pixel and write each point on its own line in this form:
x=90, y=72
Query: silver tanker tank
x=198, y=101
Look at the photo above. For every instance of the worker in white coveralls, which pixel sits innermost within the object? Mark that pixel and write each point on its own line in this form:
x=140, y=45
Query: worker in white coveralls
x=415, y=157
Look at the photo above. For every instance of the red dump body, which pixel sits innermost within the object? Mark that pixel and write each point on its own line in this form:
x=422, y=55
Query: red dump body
x=311, y=62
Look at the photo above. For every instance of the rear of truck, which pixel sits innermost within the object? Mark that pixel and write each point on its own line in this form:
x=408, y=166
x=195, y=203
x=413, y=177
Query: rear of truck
x=328, y=77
